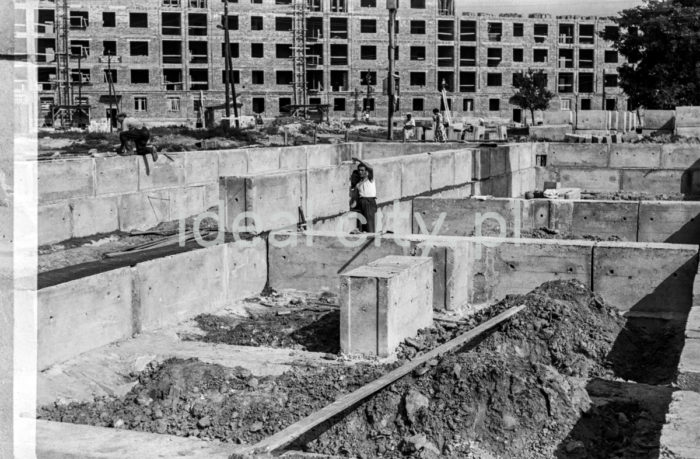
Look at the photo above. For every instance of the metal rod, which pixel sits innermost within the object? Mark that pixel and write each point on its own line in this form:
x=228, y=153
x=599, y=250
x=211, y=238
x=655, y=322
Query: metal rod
x=390, y=81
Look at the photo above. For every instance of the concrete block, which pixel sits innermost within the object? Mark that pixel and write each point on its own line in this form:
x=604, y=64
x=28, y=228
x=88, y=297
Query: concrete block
x=65, y=179
x=501, y=186
x=177, y=287
x=645, y=278
x=631, y=155
x=54, y=223
x=387, y=174
x=95, y=216
x=322, y=156
x=606, y=218
x=680, y=156
x=143, y=210
x=233, y=162
x=658, y=120
x=161, y=174
x=429, y=135
x=263, y=160
x=459, y=192
x=396, y=217
x=346, y=151
x=463, y=166
x=688, y=131
x=590, y=179
x=692, y=326
x=201, y=167
x=669, y=221
x=655, y=181
x=481, y=164
x=591, y=119
x=554, y=133
x=557, y=116
x=380, y=150
x=292, y=158
x=118, y=174
x=561, y=215
x=526, y=154
x=680, y=436
x=564, y=154
x=500, y=161
x=689, y=366
x=83, y=314
x=505, y=266
x=186, y=202
x=539, y=214
x=442, y=169
x=232, y=195
x=461, y=216
x=415, y=176
x=383, y=303
x=245, y=268
x=211, y=195
x=687, y=116
x=274, y=199
x=328, y=191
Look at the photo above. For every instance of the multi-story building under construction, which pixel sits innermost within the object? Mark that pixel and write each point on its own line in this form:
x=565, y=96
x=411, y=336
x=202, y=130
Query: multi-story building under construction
x=165, y=58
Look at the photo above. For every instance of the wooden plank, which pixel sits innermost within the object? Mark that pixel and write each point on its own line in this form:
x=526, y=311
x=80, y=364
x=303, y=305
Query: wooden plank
x=296, y=430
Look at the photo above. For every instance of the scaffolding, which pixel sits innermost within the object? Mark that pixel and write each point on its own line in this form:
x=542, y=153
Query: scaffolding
x=299, y=61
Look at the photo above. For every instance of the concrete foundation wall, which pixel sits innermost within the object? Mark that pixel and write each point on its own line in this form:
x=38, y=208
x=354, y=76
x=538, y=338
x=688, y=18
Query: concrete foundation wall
x=636, y=221
x=93, y=311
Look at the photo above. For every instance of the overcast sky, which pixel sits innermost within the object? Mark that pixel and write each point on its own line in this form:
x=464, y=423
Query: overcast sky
x=553, y=7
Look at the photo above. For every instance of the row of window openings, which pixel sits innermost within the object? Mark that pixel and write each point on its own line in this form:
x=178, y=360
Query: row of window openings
x=173, y=104
x=171, y=25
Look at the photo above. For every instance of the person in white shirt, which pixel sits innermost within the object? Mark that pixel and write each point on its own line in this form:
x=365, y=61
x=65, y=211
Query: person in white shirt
x=136, y=130
x=367, y=196
x=409, y=128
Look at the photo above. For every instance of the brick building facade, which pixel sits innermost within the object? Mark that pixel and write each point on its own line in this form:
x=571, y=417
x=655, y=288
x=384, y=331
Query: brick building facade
x=168, y=56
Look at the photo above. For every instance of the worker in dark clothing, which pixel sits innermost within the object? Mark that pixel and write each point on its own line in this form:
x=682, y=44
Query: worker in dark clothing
x=136, y=130
x=367, y=195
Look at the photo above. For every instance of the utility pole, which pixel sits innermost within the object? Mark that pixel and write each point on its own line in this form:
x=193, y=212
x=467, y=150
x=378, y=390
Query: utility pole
x=392, y=6
x=109, y=83
x=227, y=67
x=230, y=69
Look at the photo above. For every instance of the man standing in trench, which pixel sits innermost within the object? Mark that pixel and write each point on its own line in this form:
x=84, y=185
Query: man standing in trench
x=367, y=196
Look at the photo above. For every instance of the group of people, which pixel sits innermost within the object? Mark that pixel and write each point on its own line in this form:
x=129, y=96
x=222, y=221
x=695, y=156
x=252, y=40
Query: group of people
x=409, y=127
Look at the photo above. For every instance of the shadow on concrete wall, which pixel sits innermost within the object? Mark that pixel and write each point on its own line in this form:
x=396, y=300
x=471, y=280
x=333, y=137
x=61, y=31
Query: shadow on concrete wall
x=691, y=191
x=689, y=233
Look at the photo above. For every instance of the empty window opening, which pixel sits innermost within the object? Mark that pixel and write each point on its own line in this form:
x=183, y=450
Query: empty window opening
x=566, y=34
x=257, y=77
x=468, y=105
x=78, y=20
x=234, y=76
x=494, y=105
x=611, y=104
x=565, y=82
x=418, y=104
x=446, y=56
x=109, y=48
x=172, y=79
x=284, y=104
x=80, y=48
x=368, y=53
x=566, y=58
x=585, y=58
x=541, y=31
x=611, y=57
x=339, y=104
x=585, y=104
x=256, y=23
x=283, y=24
x=368, y=26
x=467, y=56
x=233, y=21
x=418, y=27
x=467, y=81
x=586, y=34
x=110, y=76
x=494, y=57
x=172, y=52
x=446, y=80
x=339, y=28
x=199, y=79
x=108, y=19
x=138, y=48
x=284, y=77
x=197, y=24
x=283, y=51
x=140, y=20
x=517, y=54
x=171, y=24
x=314, y=80
x=417, y=53
x=339, y=80
x=314, y=55
x=258, y=105
x=140, y=104
x=495, y=31
x=368, y=78
x=610, y=80
x=418, y=4
x=314, y=28
x=417, y=79
x=139, y=76
x=467, y=30
x=233, y=50
x=518, y=29
x=198, y=52
x=540, y=55
x=494, y=79
x=585, y=82
x=257, y=50
x=368, y=3
x=446, y=30
x=339, y=54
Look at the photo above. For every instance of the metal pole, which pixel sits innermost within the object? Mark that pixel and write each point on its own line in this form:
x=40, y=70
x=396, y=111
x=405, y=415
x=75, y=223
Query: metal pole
x=227, y=54
x=390, y=82
x=229, y=64
x=109, y=82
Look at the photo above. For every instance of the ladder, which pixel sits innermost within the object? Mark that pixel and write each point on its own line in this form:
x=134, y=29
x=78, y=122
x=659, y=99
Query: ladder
x=62, y=56
x=299, y=51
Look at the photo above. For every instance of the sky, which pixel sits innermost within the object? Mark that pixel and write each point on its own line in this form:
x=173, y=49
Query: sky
x=553, y=7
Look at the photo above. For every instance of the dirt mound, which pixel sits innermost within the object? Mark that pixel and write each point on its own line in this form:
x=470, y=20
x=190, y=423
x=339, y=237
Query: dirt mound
x=192, y=398
x=307, y=330
x=517, y=393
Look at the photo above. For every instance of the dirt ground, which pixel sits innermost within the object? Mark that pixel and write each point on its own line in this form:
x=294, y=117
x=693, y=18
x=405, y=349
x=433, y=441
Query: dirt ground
x=636, y=196
x=546, y=233
x=523, y=391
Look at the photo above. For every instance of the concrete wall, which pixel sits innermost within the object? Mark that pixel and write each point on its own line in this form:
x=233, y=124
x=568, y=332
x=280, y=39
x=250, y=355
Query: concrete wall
x=86, y=196
x=89, y=312
x=689, y=364
x=651, y=280
x=653, y=168
x=641, y=221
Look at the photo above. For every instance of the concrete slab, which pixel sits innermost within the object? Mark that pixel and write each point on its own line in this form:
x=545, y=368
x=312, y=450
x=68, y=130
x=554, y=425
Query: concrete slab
x=654, y=181
x=563, y=154
x=328, y=190
x=245, y=269
x=174, y=288
x=630, y=155
x=505, y=266
x=64, y=179
x=201, y=167
x=292, y=158
x=561, y=215
x=687, y=116
x=442, y=169
x=605, y=219
x=590, y=179
x=117, y=174
x=692, y=326
x=233, y=162
x=481, y=164
x=143, y=210
x=54, y=223
x=387, y=174
x=384, y=302
x=658, y=120
x=680, y=156
x=396, y=217
x=680, y=436
x=211, y=195
x=415, y=175
x=263, y=160
x=592, y=119
x=689, y=366
x=80, y=315
x=669, y=221
x=273, y=199
x=186, y=202
x=463, y=166
x=161, y=174
x=322, y=155
x=94, y=216
x=646, y=278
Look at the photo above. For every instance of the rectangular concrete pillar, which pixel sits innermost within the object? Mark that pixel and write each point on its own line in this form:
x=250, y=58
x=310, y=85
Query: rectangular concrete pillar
x=383, y=303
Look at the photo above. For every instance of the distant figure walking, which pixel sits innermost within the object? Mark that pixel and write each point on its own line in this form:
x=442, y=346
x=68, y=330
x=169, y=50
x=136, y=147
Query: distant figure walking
x=135, y=130
x=409, y=128
x=439, y=126
x=366, y=196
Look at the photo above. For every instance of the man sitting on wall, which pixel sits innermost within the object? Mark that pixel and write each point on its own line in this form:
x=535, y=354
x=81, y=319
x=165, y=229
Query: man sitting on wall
x=133, y=129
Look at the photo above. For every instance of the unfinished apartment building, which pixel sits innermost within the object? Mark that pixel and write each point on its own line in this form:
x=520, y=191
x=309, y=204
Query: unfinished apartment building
x=165, y=58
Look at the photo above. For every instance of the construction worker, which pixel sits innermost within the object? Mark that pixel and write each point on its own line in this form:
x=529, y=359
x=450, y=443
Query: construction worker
x=133, y=129
x=409, y=128
x=367, y=196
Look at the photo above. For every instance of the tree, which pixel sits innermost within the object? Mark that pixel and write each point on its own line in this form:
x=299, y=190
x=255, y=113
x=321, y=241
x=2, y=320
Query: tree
x=532, y=91
x=661, y=42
